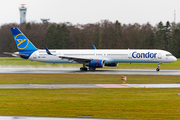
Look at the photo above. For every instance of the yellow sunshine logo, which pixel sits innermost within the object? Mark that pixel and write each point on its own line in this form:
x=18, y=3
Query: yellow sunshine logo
x=21, y=41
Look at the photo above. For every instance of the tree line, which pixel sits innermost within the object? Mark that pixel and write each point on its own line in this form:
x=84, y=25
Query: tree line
x=104, y=35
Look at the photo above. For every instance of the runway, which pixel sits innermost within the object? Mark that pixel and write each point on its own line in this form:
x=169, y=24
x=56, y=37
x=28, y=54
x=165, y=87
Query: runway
x=61, y=70
x=59, y=86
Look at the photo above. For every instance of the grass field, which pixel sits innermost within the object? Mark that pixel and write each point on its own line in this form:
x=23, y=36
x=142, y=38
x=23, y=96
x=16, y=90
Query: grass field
x=86, y=79
x=128, y=103
x=13, y=61
x=122, y=103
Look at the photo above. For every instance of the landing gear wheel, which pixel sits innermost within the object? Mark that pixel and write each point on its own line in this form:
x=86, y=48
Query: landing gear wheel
x=92, y=68
x=83, y=69
x=157, y=69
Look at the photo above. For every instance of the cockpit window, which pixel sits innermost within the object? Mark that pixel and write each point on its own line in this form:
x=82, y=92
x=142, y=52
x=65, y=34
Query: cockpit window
x=169, y=55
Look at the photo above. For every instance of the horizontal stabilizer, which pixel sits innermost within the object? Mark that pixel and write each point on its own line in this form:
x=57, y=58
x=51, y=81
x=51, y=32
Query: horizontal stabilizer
x=15, y=54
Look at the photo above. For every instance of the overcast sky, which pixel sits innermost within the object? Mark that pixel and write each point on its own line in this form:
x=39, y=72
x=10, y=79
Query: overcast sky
x=92, y=11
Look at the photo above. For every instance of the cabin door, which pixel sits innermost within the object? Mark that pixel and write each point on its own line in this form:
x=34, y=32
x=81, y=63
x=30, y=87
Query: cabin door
x=159, y=56
x=130, y=55
x=35, y=56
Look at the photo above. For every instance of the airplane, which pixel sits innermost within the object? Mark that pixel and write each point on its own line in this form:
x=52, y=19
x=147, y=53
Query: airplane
x=89, y=58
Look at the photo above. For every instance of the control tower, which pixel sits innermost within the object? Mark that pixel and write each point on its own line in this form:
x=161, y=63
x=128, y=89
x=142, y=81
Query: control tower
x=22, y=11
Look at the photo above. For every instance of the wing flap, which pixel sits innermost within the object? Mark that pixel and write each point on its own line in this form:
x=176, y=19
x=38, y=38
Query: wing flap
x=77, y=59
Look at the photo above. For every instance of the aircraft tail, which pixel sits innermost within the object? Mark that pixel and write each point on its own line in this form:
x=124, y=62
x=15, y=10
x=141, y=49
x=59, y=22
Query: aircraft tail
x=22, y=42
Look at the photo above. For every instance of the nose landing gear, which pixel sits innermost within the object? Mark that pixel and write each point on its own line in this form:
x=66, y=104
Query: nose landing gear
x=158, y=68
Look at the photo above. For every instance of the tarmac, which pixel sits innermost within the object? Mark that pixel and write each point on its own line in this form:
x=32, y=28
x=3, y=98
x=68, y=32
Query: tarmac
x=72, y=70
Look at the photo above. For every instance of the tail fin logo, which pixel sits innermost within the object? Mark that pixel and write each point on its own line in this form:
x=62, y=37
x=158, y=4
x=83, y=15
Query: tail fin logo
x=21, y=41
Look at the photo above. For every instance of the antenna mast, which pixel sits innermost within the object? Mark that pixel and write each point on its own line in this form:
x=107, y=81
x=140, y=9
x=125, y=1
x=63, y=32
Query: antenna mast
x=174, y=16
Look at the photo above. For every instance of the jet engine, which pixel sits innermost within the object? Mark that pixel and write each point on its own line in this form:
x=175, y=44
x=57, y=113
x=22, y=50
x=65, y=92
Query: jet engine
x=96, y=63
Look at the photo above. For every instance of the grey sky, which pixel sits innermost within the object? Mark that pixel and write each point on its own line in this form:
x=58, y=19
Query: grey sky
x=92, y=11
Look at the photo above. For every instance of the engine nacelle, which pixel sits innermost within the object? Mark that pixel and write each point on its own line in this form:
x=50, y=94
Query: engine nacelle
x=96, y=63
x=111, y=64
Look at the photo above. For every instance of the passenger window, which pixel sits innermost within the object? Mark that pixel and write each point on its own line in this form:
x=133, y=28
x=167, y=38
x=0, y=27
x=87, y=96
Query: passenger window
x=168, y=54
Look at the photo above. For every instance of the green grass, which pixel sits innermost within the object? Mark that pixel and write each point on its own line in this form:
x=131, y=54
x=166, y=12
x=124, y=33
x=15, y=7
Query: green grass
x=86, y=79
x=134, y=103
x=13, y=61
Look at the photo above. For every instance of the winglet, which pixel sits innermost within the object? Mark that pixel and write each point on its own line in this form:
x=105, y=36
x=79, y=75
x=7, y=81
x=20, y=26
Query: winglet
x=48, y=52
x=94, y=47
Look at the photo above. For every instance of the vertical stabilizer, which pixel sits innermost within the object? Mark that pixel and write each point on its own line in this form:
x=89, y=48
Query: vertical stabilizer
x=22, y=42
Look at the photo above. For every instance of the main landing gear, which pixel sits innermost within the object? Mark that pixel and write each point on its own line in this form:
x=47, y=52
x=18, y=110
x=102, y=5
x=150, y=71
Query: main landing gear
x=84, y=68
x=158, y=68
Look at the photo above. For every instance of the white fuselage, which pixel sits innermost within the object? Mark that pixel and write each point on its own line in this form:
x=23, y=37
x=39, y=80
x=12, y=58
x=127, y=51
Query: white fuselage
x=108, y=55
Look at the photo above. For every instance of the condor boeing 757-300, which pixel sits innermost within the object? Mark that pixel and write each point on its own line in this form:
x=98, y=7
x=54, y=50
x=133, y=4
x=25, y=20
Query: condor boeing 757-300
x=90, y=58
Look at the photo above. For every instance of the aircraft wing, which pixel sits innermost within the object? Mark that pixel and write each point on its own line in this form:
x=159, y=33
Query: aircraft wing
x=70, y=58
x=76, y=59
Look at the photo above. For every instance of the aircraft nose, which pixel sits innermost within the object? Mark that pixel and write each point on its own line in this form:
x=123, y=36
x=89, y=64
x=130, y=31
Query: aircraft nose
x=174, y=59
